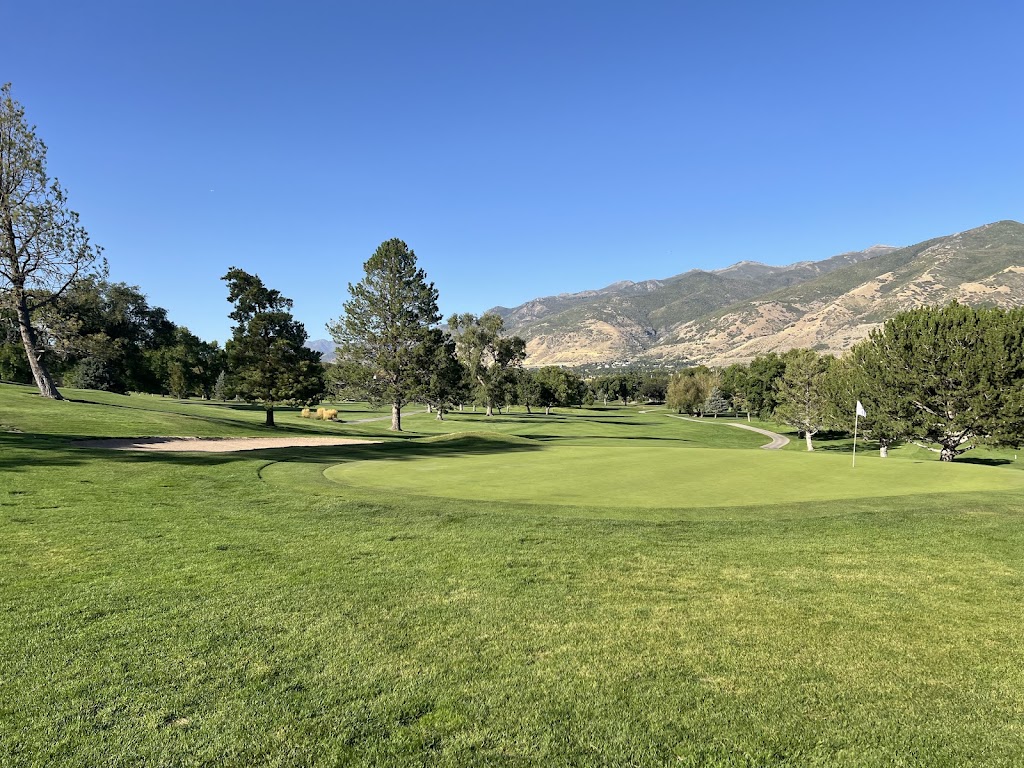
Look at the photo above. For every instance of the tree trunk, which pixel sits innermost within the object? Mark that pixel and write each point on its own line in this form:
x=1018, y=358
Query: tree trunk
x=547, y=410
x=28, y=337
x=490, y=410
x=883, y=451
x=270, y=416
x=396, y=417
x=440, y=415
x=810, y=445
x=947, y=453
x=429, y=408
x=528, y=411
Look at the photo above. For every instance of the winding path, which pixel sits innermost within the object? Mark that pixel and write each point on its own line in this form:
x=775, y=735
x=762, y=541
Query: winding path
x=778, y=441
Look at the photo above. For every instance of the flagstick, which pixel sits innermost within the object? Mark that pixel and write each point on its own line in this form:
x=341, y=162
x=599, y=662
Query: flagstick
x=856, y=416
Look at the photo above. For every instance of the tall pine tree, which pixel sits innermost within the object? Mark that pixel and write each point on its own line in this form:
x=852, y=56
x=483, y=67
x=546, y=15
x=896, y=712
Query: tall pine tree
x=267, y=359
x=385, y=322
x=949, y=377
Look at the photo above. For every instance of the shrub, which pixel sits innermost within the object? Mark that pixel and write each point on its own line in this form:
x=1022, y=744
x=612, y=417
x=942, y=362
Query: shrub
x=93, y=373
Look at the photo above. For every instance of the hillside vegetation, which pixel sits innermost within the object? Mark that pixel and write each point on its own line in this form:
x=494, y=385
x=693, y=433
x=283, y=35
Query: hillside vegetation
x=732, y=315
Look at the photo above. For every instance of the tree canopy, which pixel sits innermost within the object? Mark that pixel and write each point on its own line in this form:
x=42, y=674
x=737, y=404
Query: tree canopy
x=43, y=247
x=491, y=357
x=266, y=357
x=950, y=376
x=387, y=318
x=555, y=386
x=689, y=391
x=801, y=393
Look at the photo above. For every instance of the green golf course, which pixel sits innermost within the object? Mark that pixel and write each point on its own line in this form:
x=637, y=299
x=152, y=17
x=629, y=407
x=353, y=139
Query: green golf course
x=598, y=587
x=663, y=477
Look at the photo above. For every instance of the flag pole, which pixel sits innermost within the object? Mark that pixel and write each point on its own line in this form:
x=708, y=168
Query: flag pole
x=856, y=417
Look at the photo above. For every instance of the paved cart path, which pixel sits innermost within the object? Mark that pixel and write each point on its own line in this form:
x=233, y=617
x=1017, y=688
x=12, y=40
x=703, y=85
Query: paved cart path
x=778, y=441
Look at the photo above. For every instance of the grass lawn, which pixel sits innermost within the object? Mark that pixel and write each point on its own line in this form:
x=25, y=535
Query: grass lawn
x=431, y=601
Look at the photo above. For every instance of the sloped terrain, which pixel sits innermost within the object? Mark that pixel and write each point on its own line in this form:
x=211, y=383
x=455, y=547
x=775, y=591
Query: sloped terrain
x=749, y=308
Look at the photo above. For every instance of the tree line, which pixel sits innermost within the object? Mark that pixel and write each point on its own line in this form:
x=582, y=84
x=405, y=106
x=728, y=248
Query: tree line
x=945, y=378
x=950, y=377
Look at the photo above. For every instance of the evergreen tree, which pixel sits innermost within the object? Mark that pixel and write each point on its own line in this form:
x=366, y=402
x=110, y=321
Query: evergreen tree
x=267, y=359
x=716, y=403
x=191, y=365
x=444, y=384
x=801, y=393
x=220, y=386
x=950, y=377
x=846, y=384
x=388, y=316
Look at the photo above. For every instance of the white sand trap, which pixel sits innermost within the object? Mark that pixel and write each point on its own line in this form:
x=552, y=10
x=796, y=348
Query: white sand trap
x=215, y=444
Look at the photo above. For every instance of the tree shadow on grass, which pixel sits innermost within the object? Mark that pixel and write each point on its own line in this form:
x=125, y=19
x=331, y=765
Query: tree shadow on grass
x=983, y=461
x=205, y=418
x=19, y=452
x=540, y=418
x=611, y=438
x=399, y=451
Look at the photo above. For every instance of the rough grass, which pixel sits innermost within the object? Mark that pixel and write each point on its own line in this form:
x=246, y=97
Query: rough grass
x=187, y=609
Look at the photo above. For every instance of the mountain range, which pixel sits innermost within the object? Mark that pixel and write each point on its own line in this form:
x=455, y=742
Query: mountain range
x=733, y=314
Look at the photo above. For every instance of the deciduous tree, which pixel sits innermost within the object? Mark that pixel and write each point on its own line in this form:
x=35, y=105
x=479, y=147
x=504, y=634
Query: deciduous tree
x=557, y=387
x=43, y=247
x=689, y=390
x=490, y=356
x=762, y=374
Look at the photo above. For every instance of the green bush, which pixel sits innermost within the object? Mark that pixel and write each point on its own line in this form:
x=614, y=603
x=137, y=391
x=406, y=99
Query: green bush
x=94, y=373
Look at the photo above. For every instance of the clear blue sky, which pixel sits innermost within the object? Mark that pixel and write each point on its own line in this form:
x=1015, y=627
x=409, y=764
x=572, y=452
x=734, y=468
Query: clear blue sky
x=521, y=148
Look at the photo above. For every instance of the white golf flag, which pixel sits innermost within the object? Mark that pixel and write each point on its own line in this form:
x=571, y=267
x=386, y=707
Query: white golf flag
x=860, y=409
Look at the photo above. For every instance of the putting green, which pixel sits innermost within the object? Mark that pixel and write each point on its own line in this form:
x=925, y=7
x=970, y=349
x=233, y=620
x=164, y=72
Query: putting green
x=655, y=476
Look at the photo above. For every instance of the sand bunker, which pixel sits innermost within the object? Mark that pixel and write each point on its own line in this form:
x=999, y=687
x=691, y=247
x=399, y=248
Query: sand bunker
x=216, y=444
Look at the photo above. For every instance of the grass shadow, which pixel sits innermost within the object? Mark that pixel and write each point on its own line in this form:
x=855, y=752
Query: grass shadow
x=19, y=452
x=983, y=461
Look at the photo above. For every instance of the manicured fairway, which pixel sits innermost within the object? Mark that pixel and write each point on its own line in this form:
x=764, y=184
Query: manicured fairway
x=659, y=476
x=185, y=609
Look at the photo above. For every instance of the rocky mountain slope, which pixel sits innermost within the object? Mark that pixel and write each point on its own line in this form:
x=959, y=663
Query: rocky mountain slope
x=733, y=314
x=324, y=346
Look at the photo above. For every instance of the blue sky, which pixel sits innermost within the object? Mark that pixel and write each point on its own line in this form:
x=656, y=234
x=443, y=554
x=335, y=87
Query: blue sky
x=521, y=148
